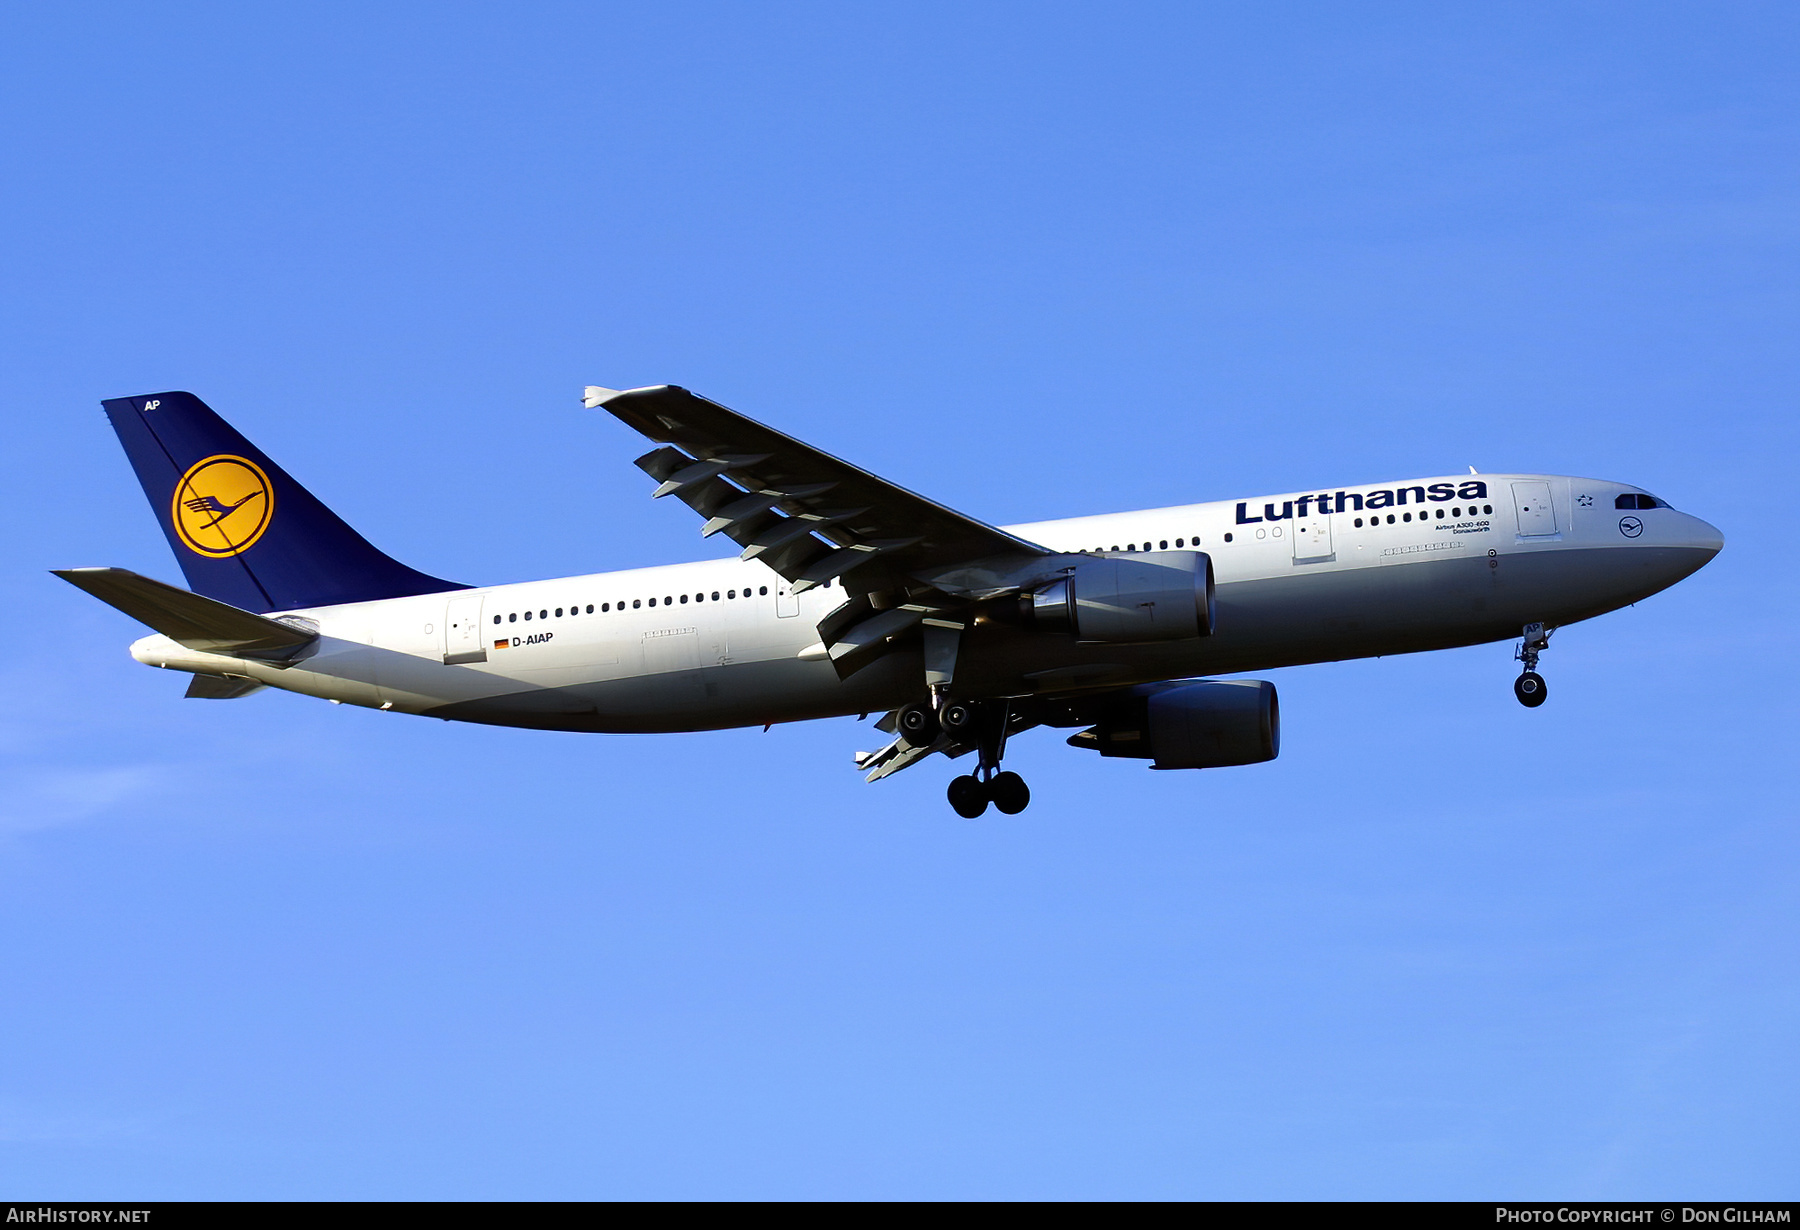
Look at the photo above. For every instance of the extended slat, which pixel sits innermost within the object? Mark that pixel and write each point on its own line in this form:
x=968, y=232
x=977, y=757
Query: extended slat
x=834, y=564
x=844, y=617
x=704, y=497
x=739, y=510
x=790, y=559
x=699, y=472
x=744, y=532
x=794, y=491
x=845, y=560
x=659, y=463
x=873, y=631
x=777, y=535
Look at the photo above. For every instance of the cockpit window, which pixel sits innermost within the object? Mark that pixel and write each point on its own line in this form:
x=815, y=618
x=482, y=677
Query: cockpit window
x=1638, y=500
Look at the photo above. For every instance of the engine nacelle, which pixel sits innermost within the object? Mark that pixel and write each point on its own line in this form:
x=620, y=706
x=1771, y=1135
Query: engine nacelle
x=1153, y=596
x=1210, y=724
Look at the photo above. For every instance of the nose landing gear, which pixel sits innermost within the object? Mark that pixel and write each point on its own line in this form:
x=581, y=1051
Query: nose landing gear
x=970, y=794
x=1530, y=687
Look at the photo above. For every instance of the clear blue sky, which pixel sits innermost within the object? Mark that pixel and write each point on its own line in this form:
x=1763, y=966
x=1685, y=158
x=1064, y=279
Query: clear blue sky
x=1034, y=260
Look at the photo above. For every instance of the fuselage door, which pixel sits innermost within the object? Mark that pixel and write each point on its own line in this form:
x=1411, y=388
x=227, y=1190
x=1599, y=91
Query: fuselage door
x=462, y=632
x=1312, y=539
x=1537, y=515
x=787, y=602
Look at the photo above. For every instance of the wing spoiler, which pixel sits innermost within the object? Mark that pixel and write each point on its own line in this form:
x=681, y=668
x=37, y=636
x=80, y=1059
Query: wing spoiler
x=199, y=623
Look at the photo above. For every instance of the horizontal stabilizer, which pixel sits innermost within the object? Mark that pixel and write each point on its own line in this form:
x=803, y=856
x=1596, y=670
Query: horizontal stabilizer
x=189, y=619
x=221, y=687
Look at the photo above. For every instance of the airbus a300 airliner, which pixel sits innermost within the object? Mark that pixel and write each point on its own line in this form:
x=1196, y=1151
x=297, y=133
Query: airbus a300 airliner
x=851, y=595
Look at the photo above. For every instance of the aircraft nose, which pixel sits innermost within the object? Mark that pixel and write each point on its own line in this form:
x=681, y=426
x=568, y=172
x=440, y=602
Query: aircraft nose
x=1706, y=536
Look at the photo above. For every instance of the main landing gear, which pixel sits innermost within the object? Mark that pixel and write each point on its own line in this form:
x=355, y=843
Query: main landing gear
x=1530, y=687
x=970, y=796
x=983, y=723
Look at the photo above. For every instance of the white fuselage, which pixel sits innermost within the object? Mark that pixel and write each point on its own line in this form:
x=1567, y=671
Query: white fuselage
x=726, y=643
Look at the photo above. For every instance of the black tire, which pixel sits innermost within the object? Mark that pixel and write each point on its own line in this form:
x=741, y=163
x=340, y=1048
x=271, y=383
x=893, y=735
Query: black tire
x=968, y=797
x=919, y=724
x=1009, y=792
x=957, y=719
x=1531, y=689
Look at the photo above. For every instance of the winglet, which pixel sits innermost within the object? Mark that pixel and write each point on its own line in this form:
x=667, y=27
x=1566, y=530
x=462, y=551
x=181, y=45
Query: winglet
x=594, y=396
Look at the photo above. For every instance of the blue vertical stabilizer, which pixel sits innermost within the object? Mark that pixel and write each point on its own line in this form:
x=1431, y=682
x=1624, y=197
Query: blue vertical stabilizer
x=244, y=531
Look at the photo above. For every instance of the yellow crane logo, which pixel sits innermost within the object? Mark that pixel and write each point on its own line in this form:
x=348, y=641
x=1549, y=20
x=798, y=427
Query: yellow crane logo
x=222, y=505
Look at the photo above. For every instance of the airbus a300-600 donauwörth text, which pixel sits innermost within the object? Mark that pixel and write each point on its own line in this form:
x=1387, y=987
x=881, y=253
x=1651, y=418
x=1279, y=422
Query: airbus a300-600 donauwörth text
x=850, y=595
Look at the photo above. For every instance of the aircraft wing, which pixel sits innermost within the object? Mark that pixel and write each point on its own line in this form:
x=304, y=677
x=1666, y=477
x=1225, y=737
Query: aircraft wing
x=806, y=514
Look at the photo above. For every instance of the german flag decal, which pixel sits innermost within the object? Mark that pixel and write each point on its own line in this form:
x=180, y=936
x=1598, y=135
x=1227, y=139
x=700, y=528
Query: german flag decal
x=502, y=644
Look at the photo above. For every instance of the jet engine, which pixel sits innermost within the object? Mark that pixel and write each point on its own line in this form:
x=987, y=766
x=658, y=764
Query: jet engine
x=1203, y=725
x=1154, y=596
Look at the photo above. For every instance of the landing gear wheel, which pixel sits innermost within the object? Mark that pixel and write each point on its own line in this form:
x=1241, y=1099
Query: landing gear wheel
x=957, y=719
x=919, y=724
x=1529, y=687
x=968, y=797
x=1009, y=792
